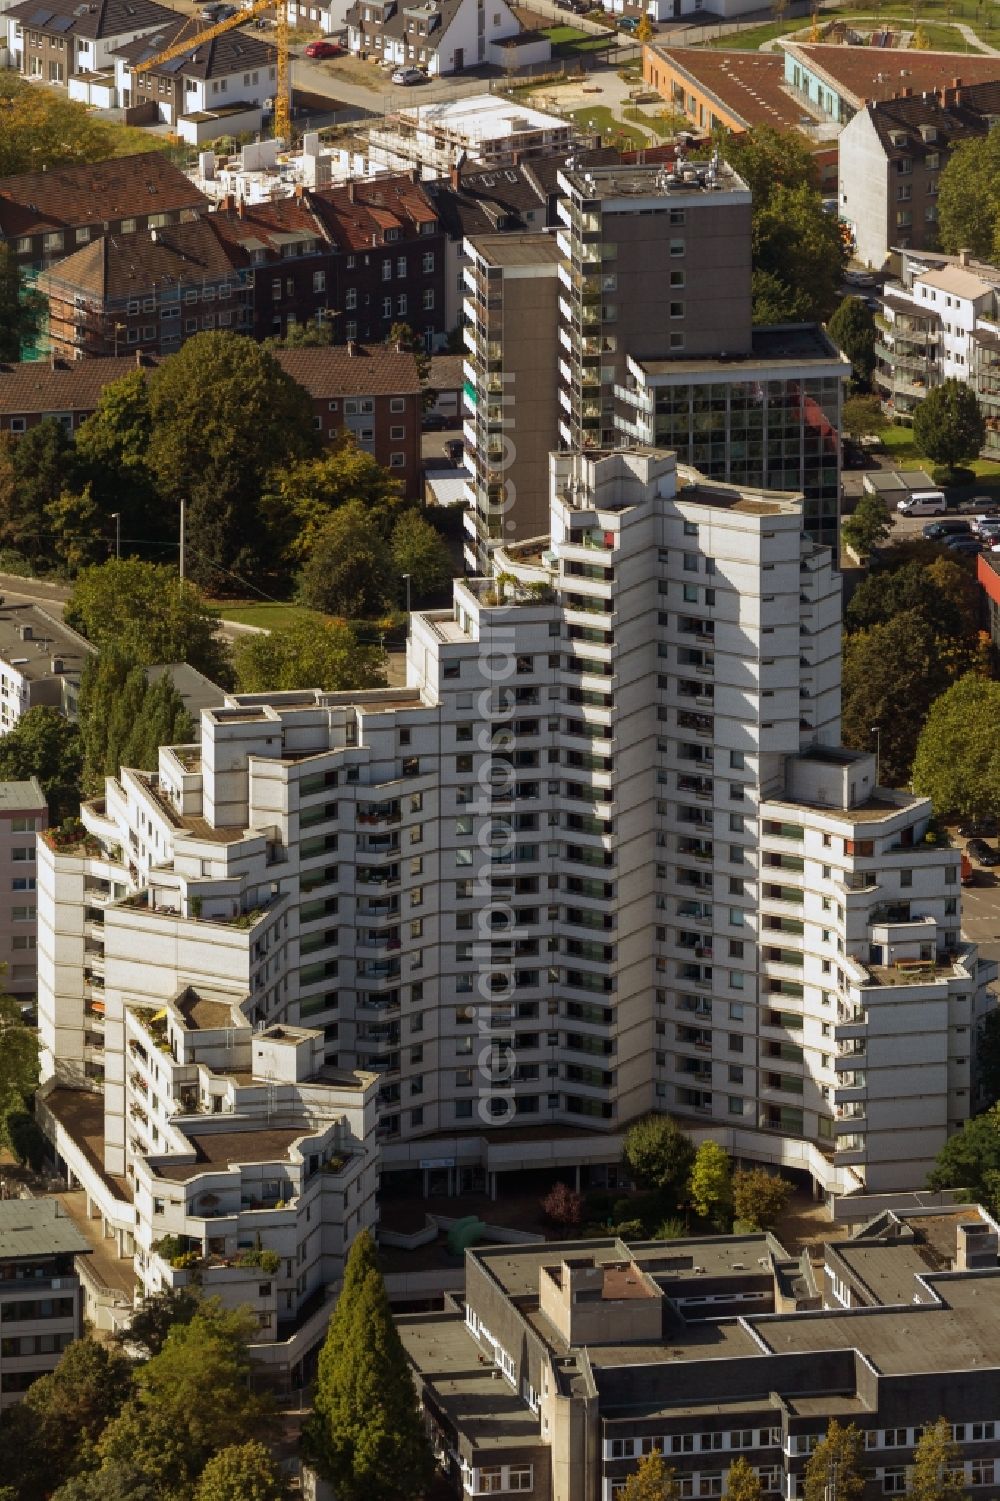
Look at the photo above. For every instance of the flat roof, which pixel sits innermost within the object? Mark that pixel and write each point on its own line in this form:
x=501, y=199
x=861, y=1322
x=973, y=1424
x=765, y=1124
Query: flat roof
x=224, y=1149
x=518, y=249
x=657, y=180
x=202, y=1013
x=17, y=797
x=886, y=1268
x=480, y=1404
x=759, y=503
x=794, y=344
x=80, y=1112
x=37, y=1227
x=48, y=637
x=962, y=1333
x=750, y=85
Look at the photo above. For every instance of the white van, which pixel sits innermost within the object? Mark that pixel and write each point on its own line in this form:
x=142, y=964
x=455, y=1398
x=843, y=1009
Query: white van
x=923, y=503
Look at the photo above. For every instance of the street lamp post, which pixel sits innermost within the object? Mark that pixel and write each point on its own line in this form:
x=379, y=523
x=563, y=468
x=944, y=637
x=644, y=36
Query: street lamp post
x=116, y=517
x=407, y=578
x=877, y=732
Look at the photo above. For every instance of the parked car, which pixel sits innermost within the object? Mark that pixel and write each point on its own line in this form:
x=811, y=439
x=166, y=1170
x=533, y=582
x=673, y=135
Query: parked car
x=859, y=278
x=965, y=547
x=434, y=422
x=408, y=76
x=212, y=11
x=322, y=48
x=936, y=531
x=455, y=449
x=923, y=503
x=983, y=852
x=629, y=24
x=987, y=529
x=976, y=828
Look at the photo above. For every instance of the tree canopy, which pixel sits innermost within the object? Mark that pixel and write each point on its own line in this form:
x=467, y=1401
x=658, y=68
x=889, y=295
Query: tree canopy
x=43, y=744
x=21, y=308
x=970, y=1160
x=112, y=456
x=241, y=1472
x=836, y=1459
x=968, y=200
x=300, y=499
x=308, y=654
x=868, y=524
x=659, y=1155
x=419, y=550
x=743, y=1482
x=125, y=718
x=710, y=1186
x=948, y=425
x=938, y=1472
x=366, y=1435
x=350, y=569
x=760, y=1197
x=144, y=612
x=42, y=128
x=852, y=329
x=224, y=416
x=892, y=674
x=652, y=1480
x=18, y=1078
x=957, y=761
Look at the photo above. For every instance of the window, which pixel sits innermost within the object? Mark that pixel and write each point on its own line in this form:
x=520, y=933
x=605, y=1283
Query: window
x=319, y=281
x=401, y=305
x=427, y=299
x=894, y=1481
x=386, y=307
x=22, y=852
x=427, y=261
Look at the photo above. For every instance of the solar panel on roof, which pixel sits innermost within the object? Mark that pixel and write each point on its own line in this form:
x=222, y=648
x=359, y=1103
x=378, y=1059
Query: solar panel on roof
x=173, y=65
x=40, y=18
x=62, y=23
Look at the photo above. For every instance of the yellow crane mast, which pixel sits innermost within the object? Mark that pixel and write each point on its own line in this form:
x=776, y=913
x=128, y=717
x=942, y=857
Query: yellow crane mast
x=282, y=92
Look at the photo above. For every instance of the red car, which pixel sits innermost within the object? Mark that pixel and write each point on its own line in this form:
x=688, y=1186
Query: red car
x=323, y=49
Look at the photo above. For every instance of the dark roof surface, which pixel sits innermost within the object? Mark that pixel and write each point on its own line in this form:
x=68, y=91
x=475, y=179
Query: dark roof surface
x=369, y=371
x=72, y=386
x=90, y=193
x=97, y=20
x=954, y=122
x=486, y=200
x=357, y=211
x=234, y=51
x=117, y=266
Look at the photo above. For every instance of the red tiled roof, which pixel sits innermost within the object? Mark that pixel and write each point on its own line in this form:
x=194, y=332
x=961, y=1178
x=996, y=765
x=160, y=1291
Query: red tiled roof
x=117, y=266
x=90, y=193
x=874, y=73
x=37, y=387
x=372, y=370
x=357, y=211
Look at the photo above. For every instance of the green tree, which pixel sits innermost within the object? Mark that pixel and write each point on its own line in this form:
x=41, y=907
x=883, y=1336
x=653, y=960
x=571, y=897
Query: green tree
x=43, y=129
x=155, y=1317
x=34, y=471
x=367, y=1435
x=307, y=654
x=852, y=329
x=710, y=1186
x=863, y=414
x=653, y=1480
x=659, y=1155
x=74, y=526
x=948, y=425
x=18, y=1075
x=760, y=1197
x=349, y=571
x=43, y=744
x=891, y=675
x=970, y=1160
x=125, y=718
x=937, y=1473
x=869, y=524
x=242, y=1472
x=942, y=592
x=191, y=1400
x=360, y=1261
x=419, y=550
x=769, y=160
x=969, y=197
x=224, y=415
x=21, y=308
x=988, y=1056
x=834, y=1466
x=302, y=498
x=798, y=257
x=957, y=760
x=70, y=1408
x=402, y=336
x=112, y=454
x=742, y=1481
x=311, y=335
x=147, y=614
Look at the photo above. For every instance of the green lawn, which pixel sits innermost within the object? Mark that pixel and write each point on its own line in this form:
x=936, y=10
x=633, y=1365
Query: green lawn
x=570, y=41
x=599, y=117
x=262, y=612
x=935, y=16
x=905, y=454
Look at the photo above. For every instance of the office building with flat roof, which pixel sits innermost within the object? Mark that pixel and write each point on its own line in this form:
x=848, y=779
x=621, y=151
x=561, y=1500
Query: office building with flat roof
x=41, y=1306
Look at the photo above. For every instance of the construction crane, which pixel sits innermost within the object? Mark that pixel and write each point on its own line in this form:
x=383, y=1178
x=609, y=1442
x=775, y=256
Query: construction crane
x=282, y=105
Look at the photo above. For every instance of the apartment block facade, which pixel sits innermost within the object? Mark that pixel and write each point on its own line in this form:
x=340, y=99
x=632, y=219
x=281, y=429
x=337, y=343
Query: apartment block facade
x=606, y=826
x=654, y=291
x=41, y=1307
x=23, y=812
x=589, y=1356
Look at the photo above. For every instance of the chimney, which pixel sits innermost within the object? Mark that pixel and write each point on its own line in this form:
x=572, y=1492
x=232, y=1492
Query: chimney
x=455, y=177
x=300, y=191
x=352, y=196
x=964, y=257
x=414, y=174
x=241, y=208
x=138, y=359
x=907, y=93
x=352, y=348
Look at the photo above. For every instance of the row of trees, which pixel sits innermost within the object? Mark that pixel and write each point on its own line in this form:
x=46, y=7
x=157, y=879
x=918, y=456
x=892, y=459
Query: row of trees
x=169, y=1413
x=678, y=1181
x=836, y=1464
x=222, y=427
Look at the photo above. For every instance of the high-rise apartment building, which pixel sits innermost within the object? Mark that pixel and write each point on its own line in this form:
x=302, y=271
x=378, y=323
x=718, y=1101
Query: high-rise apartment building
x=602, y=854
x=655, y=343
